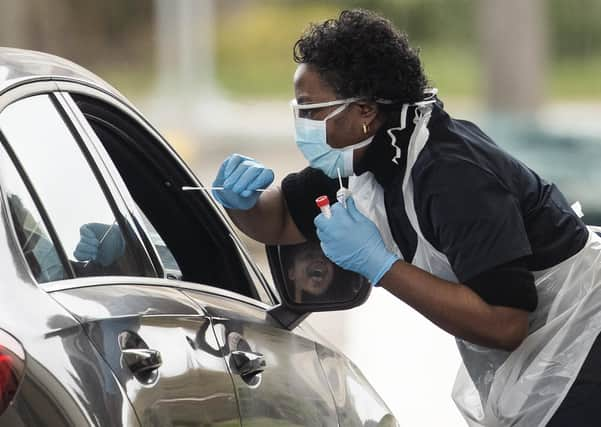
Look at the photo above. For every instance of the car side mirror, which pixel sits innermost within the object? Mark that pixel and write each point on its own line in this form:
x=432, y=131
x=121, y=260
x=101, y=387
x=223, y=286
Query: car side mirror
x=308, y=282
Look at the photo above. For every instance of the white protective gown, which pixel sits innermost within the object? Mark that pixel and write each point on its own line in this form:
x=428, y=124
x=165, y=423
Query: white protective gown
x=493, y=387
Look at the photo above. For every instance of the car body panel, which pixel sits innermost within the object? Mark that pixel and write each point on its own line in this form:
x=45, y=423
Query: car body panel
x=18, y=66
x=58, y=353
x=192, y=386
x=357, y=403
x=292, y=389
x=67, y=383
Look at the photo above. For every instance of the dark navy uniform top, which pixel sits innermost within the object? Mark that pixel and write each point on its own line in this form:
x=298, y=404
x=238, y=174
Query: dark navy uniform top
x=494, y=218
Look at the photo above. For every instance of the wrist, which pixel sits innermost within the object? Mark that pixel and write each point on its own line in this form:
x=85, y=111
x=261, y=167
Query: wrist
x=235, y=201
x=384, y=264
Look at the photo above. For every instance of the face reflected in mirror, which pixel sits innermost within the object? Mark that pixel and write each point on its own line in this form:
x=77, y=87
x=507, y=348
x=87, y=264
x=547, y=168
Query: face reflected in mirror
x=311, y=278
x=310, y=272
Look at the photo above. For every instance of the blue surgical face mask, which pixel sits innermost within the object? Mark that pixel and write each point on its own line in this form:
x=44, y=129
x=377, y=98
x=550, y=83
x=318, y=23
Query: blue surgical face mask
x=311, y=139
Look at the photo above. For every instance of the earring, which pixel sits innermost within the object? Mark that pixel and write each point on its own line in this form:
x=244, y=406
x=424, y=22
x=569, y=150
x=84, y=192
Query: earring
x=365, y=128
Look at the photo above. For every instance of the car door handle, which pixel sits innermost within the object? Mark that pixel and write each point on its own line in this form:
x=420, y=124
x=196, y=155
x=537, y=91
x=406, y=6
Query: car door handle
x=248, y=363
x=141, y=360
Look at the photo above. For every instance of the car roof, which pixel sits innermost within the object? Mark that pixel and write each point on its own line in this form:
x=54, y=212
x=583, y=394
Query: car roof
x=18, y=66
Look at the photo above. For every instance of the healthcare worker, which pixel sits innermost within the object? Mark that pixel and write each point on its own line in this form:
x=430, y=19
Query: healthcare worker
x=442, y=218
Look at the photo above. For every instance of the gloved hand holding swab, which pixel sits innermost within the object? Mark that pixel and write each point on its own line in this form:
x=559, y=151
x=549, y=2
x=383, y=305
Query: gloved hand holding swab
x=239, y=182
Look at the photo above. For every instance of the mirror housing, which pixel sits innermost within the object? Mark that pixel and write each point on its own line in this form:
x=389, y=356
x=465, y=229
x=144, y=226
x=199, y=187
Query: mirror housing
x=308, y=282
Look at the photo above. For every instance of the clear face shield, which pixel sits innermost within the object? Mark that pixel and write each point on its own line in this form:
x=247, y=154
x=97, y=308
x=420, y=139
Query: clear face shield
x=308, y=111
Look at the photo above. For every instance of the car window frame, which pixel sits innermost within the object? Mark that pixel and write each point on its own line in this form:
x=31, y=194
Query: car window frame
x=165, y=176
x=115, y=119
x=115, y=186
x=263, y=290
x=50, y=89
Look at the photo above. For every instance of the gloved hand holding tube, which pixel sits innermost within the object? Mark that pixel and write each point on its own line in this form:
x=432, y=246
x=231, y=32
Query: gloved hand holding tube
x=240, y=177
x=353, y=242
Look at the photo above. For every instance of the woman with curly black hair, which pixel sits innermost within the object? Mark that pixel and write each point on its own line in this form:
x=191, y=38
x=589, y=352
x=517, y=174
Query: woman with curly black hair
x=440, y=217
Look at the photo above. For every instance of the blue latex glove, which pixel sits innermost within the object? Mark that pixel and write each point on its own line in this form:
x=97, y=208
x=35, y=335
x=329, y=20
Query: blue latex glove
x=350, y=240
x=99, y=243
x=240, y=176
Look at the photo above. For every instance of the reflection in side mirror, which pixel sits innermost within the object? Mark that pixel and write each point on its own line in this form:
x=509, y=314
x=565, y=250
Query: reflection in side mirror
x=308, y=281
x=310, y=277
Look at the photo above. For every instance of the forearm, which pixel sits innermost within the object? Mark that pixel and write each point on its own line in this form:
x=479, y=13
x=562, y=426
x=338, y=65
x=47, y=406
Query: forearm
x=456, y=308
x=268, y=221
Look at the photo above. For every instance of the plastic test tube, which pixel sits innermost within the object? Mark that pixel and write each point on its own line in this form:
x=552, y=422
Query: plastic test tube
x=324, y=205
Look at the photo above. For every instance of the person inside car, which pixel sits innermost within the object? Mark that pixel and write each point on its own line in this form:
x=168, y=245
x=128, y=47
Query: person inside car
x=310, y=274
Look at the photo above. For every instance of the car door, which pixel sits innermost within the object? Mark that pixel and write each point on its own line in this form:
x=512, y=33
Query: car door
x=276, y=372
x=160, y=345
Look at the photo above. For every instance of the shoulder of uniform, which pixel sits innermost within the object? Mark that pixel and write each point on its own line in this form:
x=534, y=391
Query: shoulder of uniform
x=440, y=170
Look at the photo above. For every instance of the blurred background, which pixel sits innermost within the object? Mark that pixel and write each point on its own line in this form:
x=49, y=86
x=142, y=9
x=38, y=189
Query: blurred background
x=215, y=76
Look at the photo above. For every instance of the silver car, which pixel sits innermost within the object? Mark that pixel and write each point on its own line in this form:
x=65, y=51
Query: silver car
x=130, y=302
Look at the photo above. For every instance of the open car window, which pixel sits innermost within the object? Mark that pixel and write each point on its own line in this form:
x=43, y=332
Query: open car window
x=191, y=240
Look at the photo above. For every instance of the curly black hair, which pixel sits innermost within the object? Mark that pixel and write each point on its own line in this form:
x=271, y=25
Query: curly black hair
x=361, y=54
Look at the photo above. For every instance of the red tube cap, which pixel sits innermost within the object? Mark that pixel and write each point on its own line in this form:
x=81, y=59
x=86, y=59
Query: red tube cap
x=322, y=201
